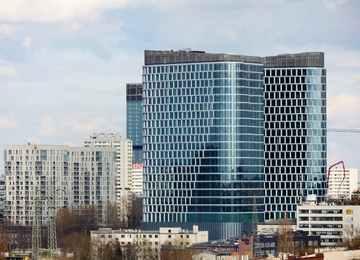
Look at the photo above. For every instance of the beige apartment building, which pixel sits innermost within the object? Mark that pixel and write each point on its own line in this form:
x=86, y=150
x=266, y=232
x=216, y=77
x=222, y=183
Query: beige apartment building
x=77, y=175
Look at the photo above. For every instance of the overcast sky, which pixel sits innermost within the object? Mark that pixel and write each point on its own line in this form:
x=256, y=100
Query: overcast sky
x=64, y=64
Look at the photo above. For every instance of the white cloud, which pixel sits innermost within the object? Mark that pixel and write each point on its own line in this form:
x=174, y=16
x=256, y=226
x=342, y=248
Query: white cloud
x=47, y=126
x=343, y=111
x=27, y=41
x=5, y=29
x=81, y=124
x=9, y=121
x=12, y=86
x=43, y=11
x=332, y=4
x=8, y=71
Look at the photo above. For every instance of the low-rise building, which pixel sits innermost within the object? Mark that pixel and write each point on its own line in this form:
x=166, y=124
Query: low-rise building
x=328, y=220
x=271, y=226
x=157, y=238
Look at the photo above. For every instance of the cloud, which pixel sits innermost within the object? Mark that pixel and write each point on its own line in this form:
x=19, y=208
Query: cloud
x=343, y=111
x=81, y=124
x=12, y=86
x=9, y=121
x=5, y=29
x=8, y=71
x=332, y=4
x=27, y=41
x=47, y=126
x=44, y=11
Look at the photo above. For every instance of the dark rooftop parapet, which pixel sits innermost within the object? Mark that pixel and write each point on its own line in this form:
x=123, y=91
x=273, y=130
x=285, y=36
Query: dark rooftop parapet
x=306, y=59
x=187, y=56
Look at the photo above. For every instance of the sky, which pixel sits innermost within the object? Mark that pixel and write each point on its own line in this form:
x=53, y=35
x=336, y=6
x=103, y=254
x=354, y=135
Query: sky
x=64, y=64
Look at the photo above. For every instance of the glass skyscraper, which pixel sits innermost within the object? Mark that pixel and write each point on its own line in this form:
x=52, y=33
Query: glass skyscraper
x=203, y=141
x=134, y=119
x=295, y=131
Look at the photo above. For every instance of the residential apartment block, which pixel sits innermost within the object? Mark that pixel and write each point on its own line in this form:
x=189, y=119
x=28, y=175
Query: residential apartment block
x=342, y=185
x=78, y=175
x=137, y=180
x=123, y=161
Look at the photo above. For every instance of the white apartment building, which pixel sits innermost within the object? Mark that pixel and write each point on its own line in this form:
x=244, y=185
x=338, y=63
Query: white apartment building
x=330, y=221
x=124, y=160
x=137, y=180
x=78, y=175
x=131, y=236
x=340, y=187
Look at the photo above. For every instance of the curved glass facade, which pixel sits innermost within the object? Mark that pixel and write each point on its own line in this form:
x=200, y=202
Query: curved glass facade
x=203, y=142
x=295, y=137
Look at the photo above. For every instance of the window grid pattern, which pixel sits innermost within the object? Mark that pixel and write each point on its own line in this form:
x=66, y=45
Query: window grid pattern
x=203, y=142
x=295, y=137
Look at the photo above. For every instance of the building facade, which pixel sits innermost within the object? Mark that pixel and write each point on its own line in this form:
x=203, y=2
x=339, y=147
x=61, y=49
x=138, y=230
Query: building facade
x=2, y=198
x=134, y=119
x=123, y=163
x=295, y=131
x=137, y=180
x=203, y=145
x=332, y=222
x=78, y=175
x=342, y=185
x=156, y=238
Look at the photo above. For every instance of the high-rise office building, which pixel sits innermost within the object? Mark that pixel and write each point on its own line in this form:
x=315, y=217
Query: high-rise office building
x=123, y=160
x=79, y=176
x=295, y=131
x=134, y=119
x=203, y=141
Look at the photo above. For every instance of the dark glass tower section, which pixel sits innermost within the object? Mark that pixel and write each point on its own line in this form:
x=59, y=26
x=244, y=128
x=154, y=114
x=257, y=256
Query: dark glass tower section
x=134, y=119
x=295, y=131
x=203, y=141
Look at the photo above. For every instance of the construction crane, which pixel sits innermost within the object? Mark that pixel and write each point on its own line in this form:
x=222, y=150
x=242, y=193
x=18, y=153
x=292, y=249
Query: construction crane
x=334, y=130
x=327, y=184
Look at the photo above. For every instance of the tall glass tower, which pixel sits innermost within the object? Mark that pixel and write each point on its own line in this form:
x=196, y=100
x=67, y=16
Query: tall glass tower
x=134, y=119
x=203, y=141
x=295, y=131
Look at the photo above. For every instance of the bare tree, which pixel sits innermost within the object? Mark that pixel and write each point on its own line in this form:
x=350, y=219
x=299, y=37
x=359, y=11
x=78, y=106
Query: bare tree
x=145, y=250
x=80, y=245
x=3, y=243
x=130, y=212
x=65, y=224
x=351, y=237
x=111, y=218
x=85, y=216
x=285, y=241
x=178, y=249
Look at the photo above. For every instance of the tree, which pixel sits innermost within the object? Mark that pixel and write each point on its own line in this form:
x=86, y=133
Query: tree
x=85, y=216
x=145, y=250
x=80, y=245
x=130, y=212
x=3, y=243
x=178, y=249
x=65, y=223
x=351, y=237
x=111, y=218
x=285, y=241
